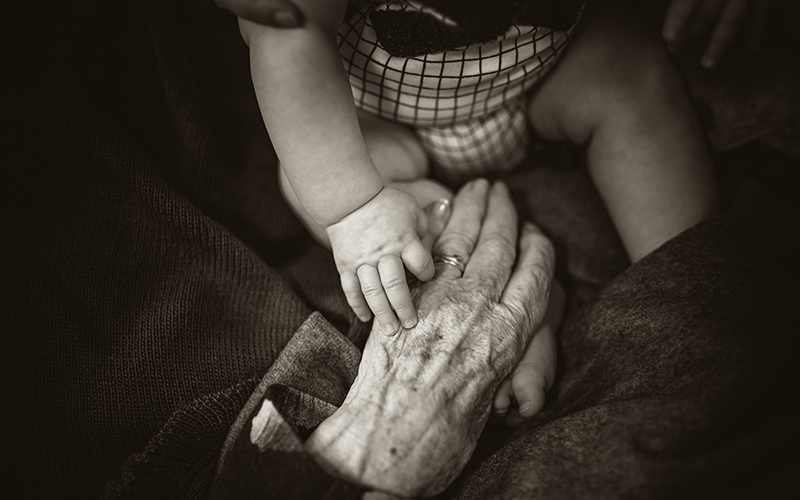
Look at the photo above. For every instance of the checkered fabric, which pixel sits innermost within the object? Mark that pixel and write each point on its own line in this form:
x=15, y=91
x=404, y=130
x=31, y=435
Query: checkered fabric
x=466, y=105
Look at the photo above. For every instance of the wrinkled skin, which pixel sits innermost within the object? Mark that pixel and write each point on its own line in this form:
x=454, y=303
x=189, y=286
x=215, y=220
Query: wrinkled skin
x=422, y=397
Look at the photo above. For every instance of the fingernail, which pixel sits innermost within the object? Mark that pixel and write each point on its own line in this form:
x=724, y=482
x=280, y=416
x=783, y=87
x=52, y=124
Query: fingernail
x=480, y=181
x=285, y=19
x=389, y=328
x=524, y=406
x=709, y=62
x=409, y=323
x=441, y=208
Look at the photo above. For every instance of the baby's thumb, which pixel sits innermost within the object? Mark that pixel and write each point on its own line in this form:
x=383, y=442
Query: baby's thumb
x=438, y=213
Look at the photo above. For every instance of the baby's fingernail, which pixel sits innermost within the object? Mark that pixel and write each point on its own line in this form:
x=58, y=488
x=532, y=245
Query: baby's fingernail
x=409, y=323
x=389, y=328
x=285, y=19
x=708, y=62
x=524, y=406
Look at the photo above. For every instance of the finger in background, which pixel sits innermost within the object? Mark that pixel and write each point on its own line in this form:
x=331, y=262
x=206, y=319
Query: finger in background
x=277, y=13
x=676, y=20
x=705, y=16
x=730, y=20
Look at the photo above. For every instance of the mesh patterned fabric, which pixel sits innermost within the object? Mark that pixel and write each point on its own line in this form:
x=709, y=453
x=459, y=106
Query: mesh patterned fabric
x=466, y=104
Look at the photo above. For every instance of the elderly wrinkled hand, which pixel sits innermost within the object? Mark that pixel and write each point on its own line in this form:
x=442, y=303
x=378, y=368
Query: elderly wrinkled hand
x=422, y=397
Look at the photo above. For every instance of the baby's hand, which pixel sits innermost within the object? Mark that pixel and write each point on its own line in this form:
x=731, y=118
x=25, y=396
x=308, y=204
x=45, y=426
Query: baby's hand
x=687, y=19
x=370, y=247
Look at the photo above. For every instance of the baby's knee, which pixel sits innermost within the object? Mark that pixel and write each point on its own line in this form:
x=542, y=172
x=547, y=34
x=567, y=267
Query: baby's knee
x=641, y=85
x=396, y=151
x=609, y=77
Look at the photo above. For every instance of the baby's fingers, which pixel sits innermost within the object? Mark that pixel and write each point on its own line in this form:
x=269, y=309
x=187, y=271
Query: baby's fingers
x=372, y=289
x=393, y=278
x=418, y=260
x=727, y=27
x=352, y=292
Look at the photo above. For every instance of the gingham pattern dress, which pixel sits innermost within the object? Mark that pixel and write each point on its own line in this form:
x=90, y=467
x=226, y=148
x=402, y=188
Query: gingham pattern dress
x=466, y=105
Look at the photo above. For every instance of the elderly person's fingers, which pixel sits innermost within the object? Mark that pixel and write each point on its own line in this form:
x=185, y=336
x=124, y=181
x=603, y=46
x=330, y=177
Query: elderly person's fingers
x=461, y=232
x=355, y=299
x=495, y=252
x=526, y=294
x=277, y=13
x=373, y=291
x=730, y=21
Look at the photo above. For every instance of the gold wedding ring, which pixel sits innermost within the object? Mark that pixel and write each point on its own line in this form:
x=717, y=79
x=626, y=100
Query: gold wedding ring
x=453, y=260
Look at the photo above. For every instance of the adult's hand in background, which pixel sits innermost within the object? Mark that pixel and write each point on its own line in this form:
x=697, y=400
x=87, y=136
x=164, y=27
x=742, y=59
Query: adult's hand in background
x=277, y=13
x=686, y=20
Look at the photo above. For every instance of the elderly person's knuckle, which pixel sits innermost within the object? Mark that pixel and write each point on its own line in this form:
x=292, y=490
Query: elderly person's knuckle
x=456, y=238
x=500, y=241
x=542, y=275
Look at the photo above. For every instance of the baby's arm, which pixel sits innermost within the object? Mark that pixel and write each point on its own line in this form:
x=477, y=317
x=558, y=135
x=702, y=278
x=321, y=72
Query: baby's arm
x=308, y=110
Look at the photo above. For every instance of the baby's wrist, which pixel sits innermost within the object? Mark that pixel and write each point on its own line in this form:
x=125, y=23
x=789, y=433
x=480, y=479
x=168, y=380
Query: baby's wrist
x=347, y=213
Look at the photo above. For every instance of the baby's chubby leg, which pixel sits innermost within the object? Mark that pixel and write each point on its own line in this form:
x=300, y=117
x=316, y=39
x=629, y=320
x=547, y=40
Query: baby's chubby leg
x=398, y=157
x=617, y=92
